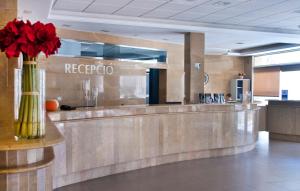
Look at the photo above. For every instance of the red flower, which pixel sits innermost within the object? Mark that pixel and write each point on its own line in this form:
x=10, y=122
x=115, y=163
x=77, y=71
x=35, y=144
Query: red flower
x=12, y=50
x=29, y=39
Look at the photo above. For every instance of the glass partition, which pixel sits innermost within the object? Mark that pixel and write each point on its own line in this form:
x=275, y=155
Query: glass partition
x=111, y=51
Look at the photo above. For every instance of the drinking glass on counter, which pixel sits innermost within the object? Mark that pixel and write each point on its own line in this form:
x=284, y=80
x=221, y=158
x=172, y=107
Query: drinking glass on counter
x=95, y=93
x=86, y=87
x=207, y=98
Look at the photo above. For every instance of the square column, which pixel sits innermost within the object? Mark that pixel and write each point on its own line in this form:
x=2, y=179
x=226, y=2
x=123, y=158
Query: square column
x=194, y=66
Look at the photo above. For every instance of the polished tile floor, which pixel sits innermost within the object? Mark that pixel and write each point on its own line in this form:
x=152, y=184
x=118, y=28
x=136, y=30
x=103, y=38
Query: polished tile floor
x=273, y=166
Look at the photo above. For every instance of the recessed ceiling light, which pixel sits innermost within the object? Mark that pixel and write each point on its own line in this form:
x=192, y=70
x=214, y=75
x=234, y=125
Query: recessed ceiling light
x=221, y=3
x=297, y=11
x=184, y=2
x=66, y=25
x=104, y=30
x=27, y=11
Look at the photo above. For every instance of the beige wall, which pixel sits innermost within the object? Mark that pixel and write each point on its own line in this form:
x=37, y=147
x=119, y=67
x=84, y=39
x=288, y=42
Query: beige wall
x=8, y=11
x=221, y=69
x=175, y=57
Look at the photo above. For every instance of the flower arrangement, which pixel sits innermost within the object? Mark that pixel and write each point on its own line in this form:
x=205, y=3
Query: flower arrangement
x=242, y=75
x=30, y=40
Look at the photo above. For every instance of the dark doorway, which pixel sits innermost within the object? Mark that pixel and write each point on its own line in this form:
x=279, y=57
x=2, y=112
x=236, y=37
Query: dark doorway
x=154, y=86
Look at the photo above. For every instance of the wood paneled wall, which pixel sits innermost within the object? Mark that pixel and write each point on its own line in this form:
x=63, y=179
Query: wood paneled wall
x=8, y=11
x=194, y=44
x=222, y=69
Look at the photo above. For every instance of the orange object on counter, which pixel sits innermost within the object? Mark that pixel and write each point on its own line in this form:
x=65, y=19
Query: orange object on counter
x=52, y=105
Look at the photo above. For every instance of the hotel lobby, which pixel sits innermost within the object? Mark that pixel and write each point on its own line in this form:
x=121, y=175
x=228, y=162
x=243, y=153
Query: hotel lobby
x=149, y=95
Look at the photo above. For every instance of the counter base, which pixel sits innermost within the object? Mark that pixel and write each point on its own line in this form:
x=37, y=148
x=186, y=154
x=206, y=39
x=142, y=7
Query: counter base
x=150, y=162
x=26, y=170
x=285, y=137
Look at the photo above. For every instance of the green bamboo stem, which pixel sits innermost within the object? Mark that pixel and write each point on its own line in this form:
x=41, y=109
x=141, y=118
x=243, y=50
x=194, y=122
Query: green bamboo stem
x=35, y=105
x=30, y=102
x=25, y=113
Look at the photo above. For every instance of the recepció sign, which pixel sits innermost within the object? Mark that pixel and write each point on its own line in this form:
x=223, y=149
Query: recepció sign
x=89, y=69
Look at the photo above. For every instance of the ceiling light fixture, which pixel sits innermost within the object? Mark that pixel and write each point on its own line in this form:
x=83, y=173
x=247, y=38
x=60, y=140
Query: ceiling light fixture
x=240, y=43
x=106, y=31
x=221, y=3
x=297, y=11
x=27, y=11
x=66, y=25
x=183, y=1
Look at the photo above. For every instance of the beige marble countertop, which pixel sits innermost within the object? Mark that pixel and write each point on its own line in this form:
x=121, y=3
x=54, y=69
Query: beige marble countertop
x=129, y=110
x=8, y=141
x=293, y=103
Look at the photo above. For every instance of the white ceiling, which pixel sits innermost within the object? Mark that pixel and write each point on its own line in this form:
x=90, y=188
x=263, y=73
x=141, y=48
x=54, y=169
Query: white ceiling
x=226, y=23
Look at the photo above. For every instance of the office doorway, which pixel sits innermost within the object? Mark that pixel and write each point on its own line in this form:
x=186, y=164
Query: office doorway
x=156, y=86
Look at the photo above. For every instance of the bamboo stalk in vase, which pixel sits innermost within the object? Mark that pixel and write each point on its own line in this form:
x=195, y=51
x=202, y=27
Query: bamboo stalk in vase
x=34, y=112
x=30, y=101
x=24, y=115
x=39, y=112
x=21, y=111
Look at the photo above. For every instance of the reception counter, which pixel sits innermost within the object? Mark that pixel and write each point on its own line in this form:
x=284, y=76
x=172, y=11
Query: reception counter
x=107, y=140
x=283, y=120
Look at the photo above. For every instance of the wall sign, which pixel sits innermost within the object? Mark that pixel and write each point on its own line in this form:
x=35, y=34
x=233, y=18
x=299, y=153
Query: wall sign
x=89, y=69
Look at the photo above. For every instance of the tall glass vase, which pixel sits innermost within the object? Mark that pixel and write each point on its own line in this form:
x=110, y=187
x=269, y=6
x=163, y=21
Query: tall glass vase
x=30, y=100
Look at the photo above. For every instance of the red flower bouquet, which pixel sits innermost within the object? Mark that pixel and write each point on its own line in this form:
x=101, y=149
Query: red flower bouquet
x=29, y=39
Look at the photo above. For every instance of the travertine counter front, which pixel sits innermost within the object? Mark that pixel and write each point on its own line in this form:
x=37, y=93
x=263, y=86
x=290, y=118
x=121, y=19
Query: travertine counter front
x=283, y=121
x=104, y=141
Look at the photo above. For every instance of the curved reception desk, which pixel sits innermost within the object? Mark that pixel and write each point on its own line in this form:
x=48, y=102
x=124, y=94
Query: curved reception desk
x=105, y=141
x=283, y=120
